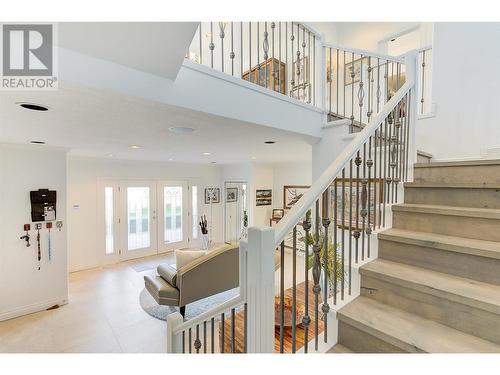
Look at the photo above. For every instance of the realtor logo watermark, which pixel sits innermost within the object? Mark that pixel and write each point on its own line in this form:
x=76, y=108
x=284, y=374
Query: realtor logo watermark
x=28, y=57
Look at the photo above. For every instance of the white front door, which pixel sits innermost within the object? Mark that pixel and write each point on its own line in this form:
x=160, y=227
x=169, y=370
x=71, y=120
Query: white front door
x=173, y=215
x=138, y=220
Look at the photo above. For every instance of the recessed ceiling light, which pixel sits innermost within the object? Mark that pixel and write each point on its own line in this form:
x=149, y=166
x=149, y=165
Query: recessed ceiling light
x=254, y=157
x=207, y=153
x=181, y=129
x=135, y=146
x=171, y=159
x=38, y=142
x=110, y=155
x=269, y=142
x=34, y=107
x=213, y=162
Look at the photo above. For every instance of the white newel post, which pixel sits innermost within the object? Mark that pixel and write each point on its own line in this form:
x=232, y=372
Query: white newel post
x=412, y=75
x=260, y=290
x=174, y=342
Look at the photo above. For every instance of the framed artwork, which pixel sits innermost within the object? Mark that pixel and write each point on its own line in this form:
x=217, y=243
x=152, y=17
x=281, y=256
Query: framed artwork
x=278, y=213
x=263, y=197
x=301, y=92
x=292, y=194
x=354, y=66
x=231, y=194
x=301, y=75
x=212, y=195
x=351, y=197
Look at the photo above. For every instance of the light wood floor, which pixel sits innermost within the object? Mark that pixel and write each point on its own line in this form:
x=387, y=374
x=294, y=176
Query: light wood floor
x=103, y=315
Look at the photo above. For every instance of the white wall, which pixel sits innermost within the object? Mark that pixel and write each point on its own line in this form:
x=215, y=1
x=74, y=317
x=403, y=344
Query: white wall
x=84, y=175
x=466, y=91
x=23, y=288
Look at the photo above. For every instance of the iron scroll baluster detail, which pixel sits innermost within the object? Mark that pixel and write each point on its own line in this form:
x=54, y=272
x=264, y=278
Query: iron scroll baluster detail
x=306, y=320
x=316, y=272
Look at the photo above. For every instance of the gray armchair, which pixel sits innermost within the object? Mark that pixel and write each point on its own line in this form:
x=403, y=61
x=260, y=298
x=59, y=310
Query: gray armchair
x=215, y=272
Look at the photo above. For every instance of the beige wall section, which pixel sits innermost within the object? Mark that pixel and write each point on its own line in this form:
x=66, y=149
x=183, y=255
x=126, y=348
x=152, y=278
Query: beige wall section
x=23, y=288
x=84, y=177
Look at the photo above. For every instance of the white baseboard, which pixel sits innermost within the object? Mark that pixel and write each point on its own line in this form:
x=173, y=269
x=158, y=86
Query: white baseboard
x=30, y=309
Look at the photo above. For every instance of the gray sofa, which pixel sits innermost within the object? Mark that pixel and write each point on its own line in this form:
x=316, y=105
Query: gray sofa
x=215, y=272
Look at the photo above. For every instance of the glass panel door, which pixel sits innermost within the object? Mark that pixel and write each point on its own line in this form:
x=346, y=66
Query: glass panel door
x=173, y=221
x=138, y=220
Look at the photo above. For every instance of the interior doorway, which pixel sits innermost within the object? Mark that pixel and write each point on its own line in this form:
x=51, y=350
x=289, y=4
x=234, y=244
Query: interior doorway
x=235, y=209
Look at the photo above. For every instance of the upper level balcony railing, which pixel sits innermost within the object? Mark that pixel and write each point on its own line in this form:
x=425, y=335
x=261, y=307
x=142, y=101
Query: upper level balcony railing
x=280, y=56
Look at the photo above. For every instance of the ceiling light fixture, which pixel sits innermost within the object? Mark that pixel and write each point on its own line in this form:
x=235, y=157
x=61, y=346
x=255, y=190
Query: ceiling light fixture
x=38, y=142
x=34, y=107
x=254, y=157
x=213, y=162
x=269, y=142
x=135, y=146
x=181, y=129
x=207, y=153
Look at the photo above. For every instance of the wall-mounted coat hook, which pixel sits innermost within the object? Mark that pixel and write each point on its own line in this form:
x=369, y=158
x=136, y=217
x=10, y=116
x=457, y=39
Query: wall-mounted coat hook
x=26, y=236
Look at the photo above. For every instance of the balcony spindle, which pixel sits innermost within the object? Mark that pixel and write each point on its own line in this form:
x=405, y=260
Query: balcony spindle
x=352, y=93
x=250, y=51
x=389, y=148
x=423, y=84
x=205, y=337
x=232, y=54
x=375, y=180
x=370, y=86
x=212, y=336
x=292, y=81
x=241, y=49
x=407, y=148
x=330, y=80
x=183, y=342
x=222, y=34
x=190, y=341
x=265, y=47
x=337, y=83
x=384, y=184
x=201, y=45
x=279, y=58
x=379, y=92
x=350, y=229
x=363, y=217
x=306, y=320
x=361, y=92
x=211, y=46
x=245, y=328
x=313, y=63
x=305, y=74
x=357, y=231
x=273, y=75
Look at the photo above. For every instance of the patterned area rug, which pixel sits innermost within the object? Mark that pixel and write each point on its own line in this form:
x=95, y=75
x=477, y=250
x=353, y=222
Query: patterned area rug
x=192, y=310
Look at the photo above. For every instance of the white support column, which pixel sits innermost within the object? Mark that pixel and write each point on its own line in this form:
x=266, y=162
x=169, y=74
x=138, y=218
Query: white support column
x=260, y=290
x=174, y=342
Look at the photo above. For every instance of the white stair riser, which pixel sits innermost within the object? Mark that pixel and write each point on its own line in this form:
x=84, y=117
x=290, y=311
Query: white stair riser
x=476, y=174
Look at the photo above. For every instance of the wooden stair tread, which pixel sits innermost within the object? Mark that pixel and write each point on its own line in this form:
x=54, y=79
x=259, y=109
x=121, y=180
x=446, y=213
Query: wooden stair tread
x=458, y=163
x=408, y=331
x=461, y=290
x=485, y=213
x=487, y=249
x=339, y=348
x=452, y=185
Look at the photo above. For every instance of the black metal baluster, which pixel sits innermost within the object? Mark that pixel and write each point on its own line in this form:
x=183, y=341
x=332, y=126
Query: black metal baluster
x=241, y=49
x=352, y=92
x=342, y=280
x=282, y=296
x=222, y=333
x=273, y=74
x=337, y=83
x=245, y=328
x=306, y=320
x=233, y=329
x=183, y=342
x=212, y=337
x=313, y=84
x=250, y=51
x=190, y=348
x=292, y=81
x=361, y=92
x=423, y=82
x=375, y=181
x=331, y=81
x=408, y=124
x=350, y=227
x=305, y=75
x=344, y=85
x=326, y=250
x=316, y=275
x=232, y=54
x=205, y=337
x=197, y=342
x=335, y=249
x=363, y=213
x=370, y=93
x=369, y=164
x=357, y=232
x=389, y=176
x=265, y=47
x=222, y=34
x=294, y=289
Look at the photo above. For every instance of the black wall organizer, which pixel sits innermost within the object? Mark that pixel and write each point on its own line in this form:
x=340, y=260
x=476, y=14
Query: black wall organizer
x=43, y=205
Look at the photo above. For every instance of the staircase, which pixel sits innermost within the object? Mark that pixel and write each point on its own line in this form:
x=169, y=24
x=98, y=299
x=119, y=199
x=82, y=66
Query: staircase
x=436, y=284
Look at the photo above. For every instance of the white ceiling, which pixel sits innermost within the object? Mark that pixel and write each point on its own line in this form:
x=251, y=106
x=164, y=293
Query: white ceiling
x=153, y=47
x=97, y=123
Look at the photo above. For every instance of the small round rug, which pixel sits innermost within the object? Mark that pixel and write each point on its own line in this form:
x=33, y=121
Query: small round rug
x=194, y=309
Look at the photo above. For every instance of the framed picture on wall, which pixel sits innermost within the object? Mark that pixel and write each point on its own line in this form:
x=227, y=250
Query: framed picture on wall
x=263, y=197
x=278, y=213
x=353, y=196
x=231, y=194
x=292, y=194
x=352, y=71
x=212, y=195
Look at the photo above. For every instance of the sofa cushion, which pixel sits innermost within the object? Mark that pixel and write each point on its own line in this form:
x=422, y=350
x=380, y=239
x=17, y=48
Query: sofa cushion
x=184, y=257
x=162, y=292
x=168, y=273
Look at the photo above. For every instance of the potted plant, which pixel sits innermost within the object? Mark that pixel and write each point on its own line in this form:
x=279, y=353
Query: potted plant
x=334, y=266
